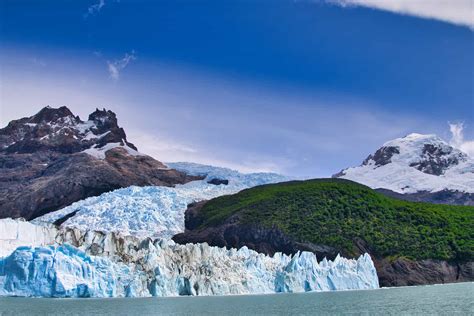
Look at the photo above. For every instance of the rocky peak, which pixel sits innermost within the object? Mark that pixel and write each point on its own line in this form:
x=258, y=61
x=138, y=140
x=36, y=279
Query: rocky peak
x=52, y=115
x=104, y=119
x=59, y=130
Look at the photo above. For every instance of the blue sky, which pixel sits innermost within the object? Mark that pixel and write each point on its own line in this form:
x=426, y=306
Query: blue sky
x=299, y=87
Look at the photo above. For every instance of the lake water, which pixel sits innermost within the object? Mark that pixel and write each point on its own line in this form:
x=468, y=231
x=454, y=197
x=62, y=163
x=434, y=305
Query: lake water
x=426, y=300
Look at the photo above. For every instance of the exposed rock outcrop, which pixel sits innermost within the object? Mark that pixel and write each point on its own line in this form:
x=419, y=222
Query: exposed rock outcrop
x=405, y=272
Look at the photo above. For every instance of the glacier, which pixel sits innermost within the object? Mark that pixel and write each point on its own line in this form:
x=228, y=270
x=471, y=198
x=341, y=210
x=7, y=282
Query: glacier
x=162, y=268
x=154, y=211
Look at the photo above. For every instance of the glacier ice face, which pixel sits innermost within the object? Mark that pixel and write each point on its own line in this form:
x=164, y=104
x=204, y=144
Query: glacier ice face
x=401, y=172
x=97, y=264
x=154, y=211
x=62, y=271
x=163, y=268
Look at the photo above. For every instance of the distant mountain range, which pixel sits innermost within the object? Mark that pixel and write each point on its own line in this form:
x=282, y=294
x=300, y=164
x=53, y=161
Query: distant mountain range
x=53, y=158
x=418, y=168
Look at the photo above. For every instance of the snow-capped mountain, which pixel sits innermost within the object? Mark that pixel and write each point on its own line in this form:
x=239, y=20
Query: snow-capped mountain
x=155, y=211
x=423, y=167
x=53, y=158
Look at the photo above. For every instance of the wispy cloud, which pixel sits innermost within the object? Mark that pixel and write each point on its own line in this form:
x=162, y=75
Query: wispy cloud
x=170, y=150
x=458, y=141
x=37, y=62
x=116, y=66
x=458, y=12
x=95, y=8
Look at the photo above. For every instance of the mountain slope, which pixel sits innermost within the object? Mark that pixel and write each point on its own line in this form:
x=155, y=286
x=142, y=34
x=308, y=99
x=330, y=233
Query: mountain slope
x=418, y=168
x=53, y=158
x=330, y=216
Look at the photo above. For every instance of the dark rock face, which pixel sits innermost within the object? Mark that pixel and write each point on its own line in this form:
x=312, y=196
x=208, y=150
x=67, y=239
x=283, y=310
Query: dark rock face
x=436, y=159
x=404, y=272
x=441, y=197
x=217, y=181
x=382, y=156
x=43, y=166
x=401, y=272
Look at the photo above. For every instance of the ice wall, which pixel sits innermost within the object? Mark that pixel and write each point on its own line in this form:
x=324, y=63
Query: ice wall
x=90, y=263
x=163, y=268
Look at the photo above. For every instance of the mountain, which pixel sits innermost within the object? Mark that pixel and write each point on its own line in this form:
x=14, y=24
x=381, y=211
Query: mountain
x=410, y=243
x=53, y=158
x=418, y=168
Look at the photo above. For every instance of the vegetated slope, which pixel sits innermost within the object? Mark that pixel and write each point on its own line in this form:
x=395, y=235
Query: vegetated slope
x=343, y=215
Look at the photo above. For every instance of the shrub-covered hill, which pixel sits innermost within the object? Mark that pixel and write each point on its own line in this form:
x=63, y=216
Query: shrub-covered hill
x=337, y=213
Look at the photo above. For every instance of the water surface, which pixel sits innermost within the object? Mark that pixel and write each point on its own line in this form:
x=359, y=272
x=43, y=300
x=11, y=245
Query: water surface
x=426, y=300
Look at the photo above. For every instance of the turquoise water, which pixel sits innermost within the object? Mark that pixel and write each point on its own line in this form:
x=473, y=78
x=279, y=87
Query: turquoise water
x=425, y=300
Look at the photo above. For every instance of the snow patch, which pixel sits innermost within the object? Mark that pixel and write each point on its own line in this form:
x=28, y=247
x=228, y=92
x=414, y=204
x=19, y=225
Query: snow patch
x=99, y=152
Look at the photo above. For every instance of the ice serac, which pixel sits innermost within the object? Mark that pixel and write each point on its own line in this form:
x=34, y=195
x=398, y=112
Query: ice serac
x=154, y=211
x=16, y=233
x=62, y=271
x=162, y=268
x=415, y=163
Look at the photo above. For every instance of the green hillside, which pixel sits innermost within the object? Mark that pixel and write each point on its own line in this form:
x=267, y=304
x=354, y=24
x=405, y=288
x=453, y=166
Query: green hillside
x=334, y=212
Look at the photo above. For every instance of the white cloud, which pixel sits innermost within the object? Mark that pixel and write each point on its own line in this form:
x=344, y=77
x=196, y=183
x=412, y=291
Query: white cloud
x=114, y=67
x=458, y=141
x=460, y=12
x=170, y=150
x=95, y=8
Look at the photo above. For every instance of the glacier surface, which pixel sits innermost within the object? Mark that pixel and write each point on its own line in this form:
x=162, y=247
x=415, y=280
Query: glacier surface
x=155, y=211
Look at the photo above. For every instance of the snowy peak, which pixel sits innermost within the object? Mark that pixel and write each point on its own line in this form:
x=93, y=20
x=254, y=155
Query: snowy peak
x=427, y=153
x=415, y=163
x=52, y=115
x=59, y=130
